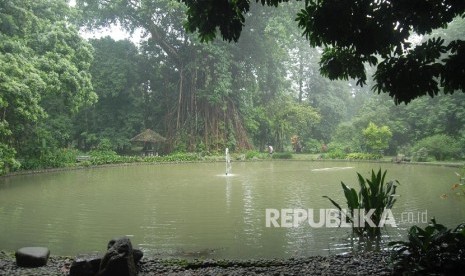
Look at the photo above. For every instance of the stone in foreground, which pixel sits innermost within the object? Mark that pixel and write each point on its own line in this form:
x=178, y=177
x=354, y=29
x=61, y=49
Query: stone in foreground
x=85, y=265
x=137, y=254
x=32, y=256
x=119, y=259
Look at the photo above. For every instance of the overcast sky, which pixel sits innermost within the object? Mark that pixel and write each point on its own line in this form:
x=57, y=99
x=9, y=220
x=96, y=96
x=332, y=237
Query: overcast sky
x=115, y=32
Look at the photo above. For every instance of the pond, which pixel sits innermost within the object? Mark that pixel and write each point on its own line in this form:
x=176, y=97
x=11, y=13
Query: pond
x=194, y=210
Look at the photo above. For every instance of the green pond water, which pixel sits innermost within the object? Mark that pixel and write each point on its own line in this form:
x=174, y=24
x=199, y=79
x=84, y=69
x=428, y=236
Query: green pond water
x=194, y=210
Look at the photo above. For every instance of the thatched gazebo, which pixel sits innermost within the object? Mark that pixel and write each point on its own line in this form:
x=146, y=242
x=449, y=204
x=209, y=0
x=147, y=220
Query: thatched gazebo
x=149, y=138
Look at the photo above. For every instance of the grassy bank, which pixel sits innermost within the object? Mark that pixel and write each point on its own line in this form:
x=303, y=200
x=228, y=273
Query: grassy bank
x=76, y=160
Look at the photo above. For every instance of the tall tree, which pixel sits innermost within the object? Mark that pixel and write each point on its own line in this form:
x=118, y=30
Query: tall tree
x=199, y=106
x=44, y=75
x=285, y=70
x=208, y=94
x=377, y=138
x=118, y=79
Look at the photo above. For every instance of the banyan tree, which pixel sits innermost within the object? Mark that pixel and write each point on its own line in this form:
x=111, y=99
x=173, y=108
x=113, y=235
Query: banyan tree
x=193, y=90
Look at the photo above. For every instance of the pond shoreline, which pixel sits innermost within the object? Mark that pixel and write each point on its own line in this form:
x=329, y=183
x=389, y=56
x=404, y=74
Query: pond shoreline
x=73, y=168
x=372, y=263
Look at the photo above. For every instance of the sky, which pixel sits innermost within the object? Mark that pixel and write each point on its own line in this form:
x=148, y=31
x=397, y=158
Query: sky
x=115, y=31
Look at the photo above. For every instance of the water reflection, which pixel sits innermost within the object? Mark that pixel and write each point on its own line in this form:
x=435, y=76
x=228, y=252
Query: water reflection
x=228, y=195
x=251, y=216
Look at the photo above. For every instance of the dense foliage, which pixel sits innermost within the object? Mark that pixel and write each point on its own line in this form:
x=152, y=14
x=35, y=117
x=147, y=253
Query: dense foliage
x=354, y=33
x=44, y=79
x=63, y=97
x=118, y=78
x=434, y=250
x=377, y=138
x=441, y=146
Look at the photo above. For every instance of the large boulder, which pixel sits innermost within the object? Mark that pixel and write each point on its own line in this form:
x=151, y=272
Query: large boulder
x=32, y=256
x=119, y=259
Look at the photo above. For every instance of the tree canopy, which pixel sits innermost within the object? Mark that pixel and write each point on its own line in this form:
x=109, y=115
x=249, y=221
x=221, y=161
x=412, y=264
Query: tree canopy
x=354, y=33
x=43, y=76
x=62, y=96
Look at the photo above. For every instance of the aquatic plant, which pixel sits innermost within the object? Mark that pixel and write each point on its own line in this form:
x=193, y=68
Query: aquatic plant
x=375, y=195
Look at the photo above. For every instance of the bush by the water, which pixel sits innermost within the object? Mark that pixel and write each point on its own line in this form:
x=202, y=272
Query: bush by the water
x=111, y=157
x=7, y=159
x=282, y=155
x=363, y=156
x=312, y=146
x=100, y=157
x=434, y=250
x=179, y=156
x=440, y=146
x=46, y=159
x=336, y=154
x=336, y=151
x=253, y=154
x=105, y=155
x=420, y=155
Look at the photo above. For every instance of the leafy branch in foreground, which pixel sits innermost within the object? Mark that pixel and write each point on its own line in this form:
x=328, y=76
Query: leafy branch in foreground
x=374, y=196
x=355, y=33
x=433, y=250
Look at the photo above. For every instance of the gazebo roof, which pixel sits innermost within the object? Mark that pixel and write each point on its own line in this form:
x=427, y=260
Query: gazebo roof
x=148, y=135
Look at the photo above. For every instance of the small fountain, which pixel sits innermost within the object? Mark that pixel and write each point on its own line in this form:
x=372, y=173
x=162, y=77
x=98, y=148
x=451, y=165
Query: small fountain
x=228, y=162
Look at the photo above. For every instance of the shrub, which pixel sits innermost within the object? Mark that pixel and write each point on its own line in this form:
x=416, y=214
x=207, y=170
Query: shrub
x=56, y=158
x=374, y=194
x=86, y=163
x=105, y=145
x=65, y=157
x=348, y=136
x=434, y=250
x=336, y=154
x=282, y=155
x=405, y=150
x=7, y=159
x=336, y=151
x=421, y=155
x=100, y=157
x=440, y=146
x=311, y=146
x=364, y=156
x=181, y=157
x=377, y=138
x=253, y=153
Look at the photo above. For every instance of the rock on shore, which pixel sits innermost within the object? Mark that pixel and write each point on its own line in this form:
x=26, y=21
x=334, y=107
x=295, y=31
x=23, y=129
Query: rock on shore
x=360, y=264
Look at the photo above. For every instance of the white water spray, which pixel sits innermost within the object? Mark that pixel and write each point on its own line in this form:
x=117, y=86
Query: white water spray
x=228, y=162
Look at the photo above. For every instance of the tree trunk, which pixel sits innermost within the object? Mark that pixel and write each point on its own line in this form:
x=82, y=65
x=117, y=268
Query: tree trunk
x=178, y=119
